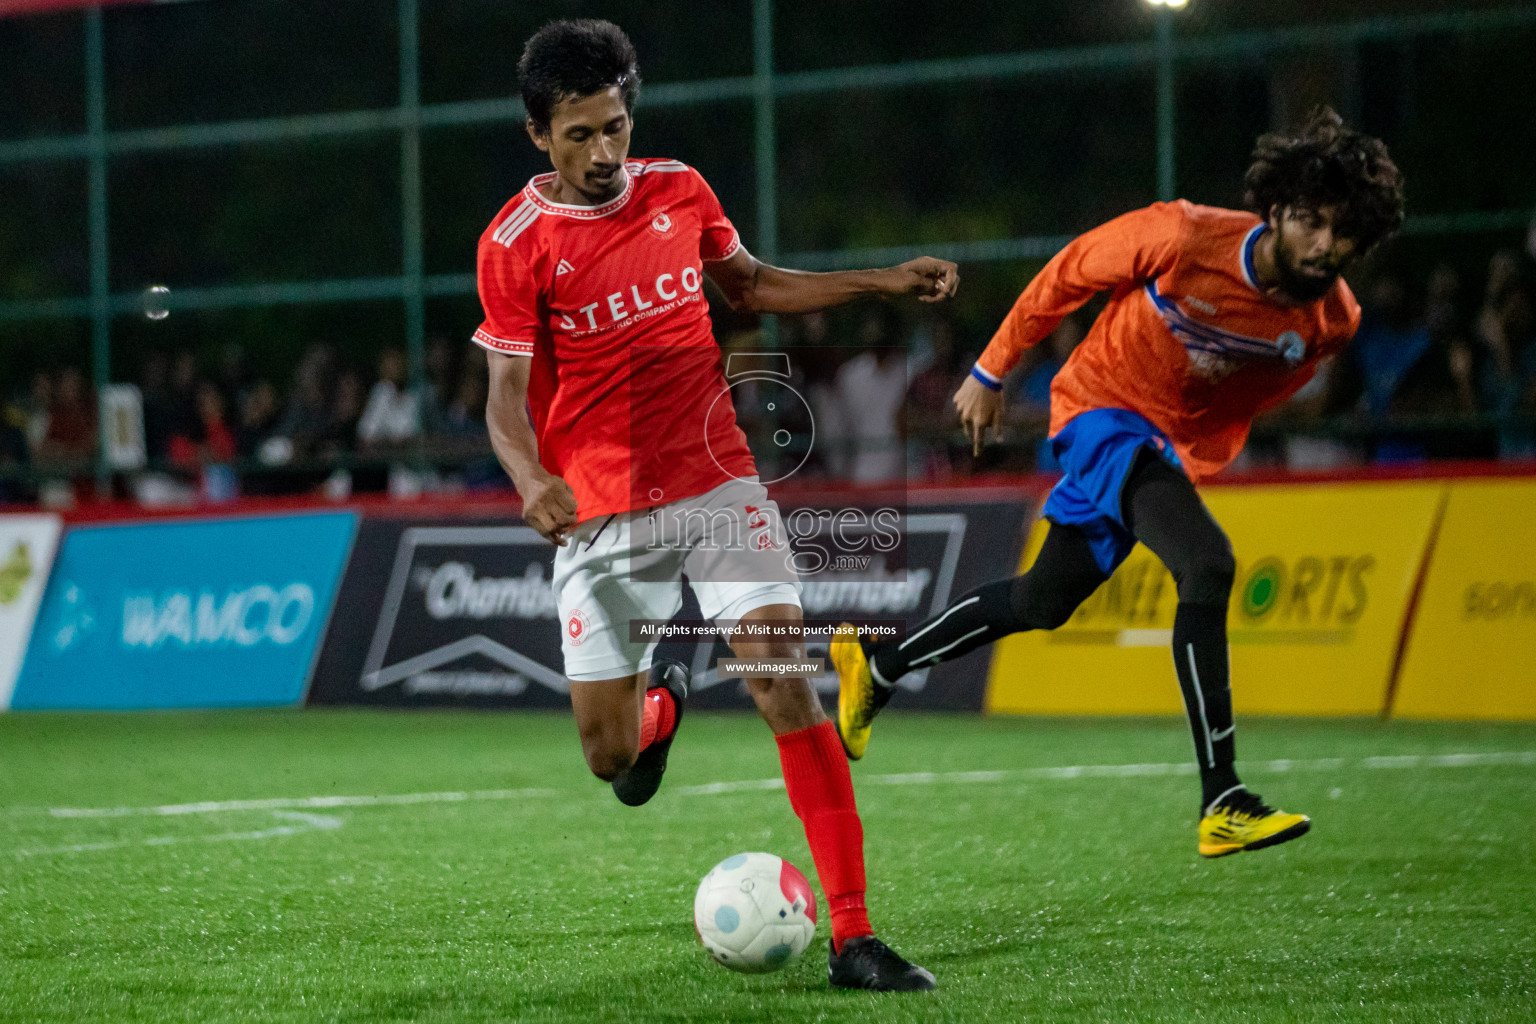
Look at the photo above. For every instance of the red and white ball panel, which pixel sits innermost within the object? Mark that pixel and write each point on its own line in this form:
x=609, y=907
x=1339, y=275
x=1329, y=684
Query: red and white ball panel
x=755, y=912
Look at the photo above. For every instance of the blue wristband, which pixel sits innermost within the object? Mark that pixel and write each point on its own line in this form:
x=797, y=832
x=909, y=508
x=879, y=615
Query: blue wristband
x=987, y=380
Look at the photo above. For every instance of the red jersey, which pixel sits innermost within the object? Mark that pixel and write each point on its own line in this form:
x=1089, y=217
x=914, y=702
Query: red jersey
x=1188, y=340
x=609, y=303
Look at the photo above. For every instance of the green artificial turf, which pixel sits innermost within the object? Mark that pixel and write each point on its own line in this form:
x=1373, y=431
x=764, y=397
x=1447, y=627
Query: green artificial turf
x=1032, y=893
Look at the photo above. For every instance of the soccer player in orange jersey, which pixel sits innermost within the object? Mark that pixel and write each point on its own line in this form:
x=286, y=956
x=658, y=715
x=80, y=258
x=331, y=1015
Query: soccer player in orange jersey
x=1214, y=316
x=606, y=411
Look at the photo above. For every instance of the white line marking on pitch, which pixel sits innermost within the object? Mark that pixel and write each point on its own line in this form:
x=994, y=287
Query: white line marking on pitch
x=279, y=803
x=305, y=823
x=1075, y=771
x=1111, y=771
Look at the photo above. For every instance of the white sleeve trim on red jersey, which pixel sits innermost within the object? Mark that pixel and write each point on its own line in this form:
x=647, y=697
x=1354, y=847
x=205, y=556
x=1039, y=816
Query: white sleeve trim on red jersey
x=664, y=166
x=730, y=250
x=502, y=345
x=507, y=231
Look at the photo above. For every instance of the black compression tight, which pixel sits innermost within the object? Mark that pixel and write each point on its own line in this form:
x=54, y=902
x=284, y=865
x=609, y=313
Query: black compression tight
x=1164, y=512
x=1162, y=509
x=1063, y=576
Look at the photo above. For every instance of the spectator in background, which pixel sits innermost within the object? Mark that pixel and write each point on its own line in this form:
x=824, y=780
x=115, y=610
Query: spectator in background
x=1033, y=389
x=256, y=424
x=308, y=414
x=1408, y=372
x=1506, y=339
x=1442, y=307
x=13, y=424
x=208, y=440
x=234, y=376
x=738, y=350
x=1450, y=333
x=465, y=428
x=1032, y=393
x=930, y=414
x=38, y=405
x=872, y=389
x=768, y=394
x=393, y=412
x=157, y=405
x=464, y=415
x=1392, y=345
x=69, y=437
x=1392, y=338
x=13, y=452
x=258, y=417
x=832, y=448
x=1305, y=446
x=789, y=453
x=71, y=433
x=1440, y=387
x=442, y=374
x=346, y=410
x=181, y=415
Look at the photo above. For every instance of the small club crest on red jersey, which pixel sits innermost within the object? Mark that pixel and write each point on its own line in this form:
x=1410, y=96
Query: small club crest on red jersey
x=662, y=224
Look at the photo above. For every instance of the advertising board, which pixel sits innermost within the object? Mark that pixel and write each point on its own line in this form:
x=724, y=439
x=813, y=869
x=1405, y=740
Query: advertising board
x=1324, y=575
x=459, y=612
x=185, y=614
x=27, y=545
x=444, y=612
x=1472, y=650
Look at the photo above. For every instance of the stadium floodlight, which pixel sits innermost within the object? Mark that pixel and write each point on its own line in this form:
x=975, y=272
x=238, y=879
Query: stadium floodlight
x=1175, y=4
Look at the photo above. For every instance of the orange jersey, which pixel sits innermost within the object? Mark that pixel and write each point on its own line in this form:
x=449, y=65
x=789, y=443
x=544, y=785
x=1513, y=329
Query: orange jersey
x=1188, y=340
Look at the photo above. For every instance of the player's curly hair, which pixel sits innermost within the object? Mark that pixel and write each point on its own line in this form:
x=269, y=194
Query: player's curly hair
x=574, y=58
x=1327, y=164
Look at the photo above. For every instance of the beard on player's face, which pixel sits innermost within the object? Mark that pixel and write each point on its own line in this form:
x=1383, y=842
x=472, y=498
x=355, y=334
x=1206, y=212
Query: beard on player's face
x=1302, y=280
x=1306, y=271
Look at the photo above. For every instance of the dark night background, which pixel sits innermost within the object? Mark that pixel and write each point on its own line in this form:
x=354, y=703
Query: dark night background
x=1037, y=155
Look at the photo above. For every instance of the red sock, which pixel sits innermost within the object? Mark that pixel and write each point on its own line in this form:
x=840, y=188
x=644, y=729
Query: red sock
x=821, y=793
x=658, y=718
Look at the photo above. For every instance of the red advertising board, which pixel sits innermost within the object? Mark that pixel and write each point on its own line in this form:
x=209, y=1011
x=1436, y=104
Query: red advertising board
x=12, y=7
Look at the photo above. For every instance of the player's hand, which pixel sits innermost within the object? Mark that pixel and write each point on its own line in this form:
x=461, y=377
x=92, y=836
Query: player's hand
x=980, y=407
x=931, y=280
x=549, y=506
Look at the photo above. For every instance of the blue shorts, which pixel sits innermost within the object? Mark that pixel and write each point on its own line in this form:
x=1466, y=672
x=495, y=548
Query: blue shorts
x=1097, y=451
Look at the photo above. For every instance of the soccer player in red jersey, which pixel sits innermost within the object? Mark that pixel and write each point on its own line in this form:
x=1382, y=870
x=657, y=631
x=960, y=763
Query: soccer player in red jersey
x=604, y=409
x=1214, y=316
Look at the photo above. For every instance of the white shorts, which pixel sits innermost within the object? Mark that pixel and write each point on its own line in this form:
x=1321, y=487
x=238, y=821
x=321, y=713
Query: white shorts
x=614, y=569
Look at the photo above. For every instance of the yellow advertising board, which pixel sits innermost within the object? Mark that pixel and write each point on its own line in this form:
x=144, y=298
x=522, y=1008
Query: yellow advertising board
x=1472, y=650
x=1324, y=574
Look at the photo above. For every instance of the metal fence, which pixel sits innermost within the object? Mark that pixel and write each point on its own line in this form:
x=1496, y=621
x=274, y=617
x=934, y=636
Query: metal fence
x=1164, y=54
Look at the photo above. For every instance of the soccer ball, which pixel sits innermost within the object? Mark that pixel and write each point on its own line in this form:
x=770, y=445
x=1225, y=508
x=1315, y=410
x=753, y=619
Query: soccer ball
x=755, y=913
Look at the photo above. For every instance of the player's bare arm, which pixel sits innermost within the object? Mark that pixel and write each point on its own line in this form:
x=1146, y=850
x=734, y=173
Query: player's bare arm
x=757, y=287
x=980, y=409
x=549, y=504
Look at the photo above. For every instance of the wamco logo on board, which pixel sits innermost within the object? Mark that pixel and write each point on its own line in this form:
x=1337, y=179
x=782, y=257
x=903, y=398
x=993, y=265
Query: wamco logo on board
x=244, y=618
